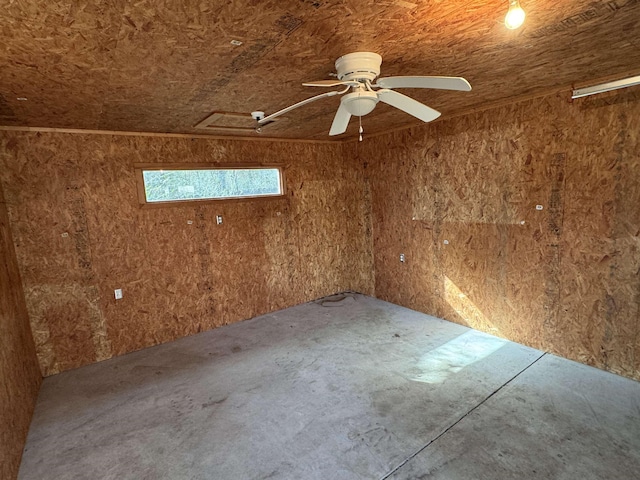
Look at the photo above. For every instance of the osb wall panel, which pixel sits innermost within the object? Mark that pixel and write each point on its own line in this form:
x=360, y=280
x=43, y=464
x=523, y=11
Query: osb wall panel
x=80, y=233
x=18, y=362
x=459, y=199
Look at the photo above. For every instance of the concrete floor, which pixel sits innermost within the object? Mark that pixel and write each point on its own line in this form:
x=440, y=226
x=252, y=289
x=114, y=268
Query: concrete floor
x=350, y=389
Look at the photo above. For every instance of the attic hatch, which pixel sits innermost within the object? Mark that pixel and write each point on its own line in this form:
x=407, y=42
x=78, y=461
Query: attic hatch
x=228, y=122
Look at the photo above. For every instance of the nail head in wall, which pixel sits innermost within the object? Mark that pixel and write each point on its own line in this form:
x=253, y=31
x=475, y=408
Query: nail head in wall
x=236, y=43
x=64, y=235
x=446, y=242
x=189, y=222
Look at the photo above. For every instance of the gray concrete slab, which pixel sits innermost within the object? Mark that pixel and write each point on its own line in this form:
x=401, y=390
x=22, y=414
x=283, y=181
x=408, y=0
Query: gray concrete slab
x=339, y=390
x=557, y=420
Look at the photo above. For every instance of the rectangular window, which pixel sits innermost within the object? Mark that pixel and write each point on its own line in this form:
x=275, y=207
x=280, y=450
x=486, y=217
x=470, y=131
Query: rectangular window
x=196, y=183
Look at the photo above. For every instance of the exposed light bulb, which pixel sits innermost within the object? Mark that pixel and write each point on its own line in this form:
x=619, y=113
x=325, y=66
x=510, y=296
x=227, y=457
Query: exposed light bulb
x=515, y=15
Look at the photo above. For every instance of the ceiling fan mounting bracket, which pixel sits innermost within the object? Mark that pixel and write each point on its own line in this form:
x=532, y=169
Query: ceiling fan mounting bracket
x=359, y=66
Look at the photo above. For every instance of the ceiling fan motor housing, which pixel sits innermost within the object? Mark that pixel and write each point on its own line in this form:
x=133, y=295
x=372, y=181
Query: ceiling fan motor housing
x=359, y=66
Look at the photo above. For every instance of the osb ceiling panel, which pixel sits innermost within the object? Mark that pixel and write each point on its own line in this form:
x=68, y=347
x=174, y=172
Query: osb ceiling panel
x=164, y=66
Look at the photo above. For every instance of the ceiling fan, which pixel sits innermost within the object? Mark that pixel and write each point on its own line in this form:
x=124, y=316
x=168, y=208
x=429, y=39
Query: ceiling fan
x=357, y=72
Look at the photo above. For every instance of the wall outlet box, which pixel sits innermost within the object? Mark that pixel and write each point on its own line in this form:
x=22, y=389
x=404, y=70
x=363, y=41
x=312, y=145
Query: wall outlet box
x=117, y=293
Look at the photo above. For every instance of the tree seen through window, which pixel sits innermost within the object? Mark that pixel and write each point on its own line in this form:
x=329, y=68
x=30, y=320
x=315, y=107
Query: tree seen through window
x=175, y=185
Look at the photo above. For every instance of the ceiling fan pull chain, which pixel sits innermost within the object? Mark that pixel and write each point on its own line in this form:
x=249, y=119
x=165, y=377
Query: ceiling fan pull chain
x=360, y=130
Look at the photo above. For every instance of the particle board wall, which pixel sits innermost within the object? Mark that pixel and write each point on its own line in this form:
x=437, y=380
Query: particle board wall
x=459, y=198
x=18, y=362
x=177, y=278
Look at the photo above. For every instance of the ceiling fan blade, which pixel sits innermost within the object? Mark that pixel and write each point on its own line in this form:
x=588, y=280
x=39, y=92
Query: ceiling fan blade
x=340, y=121
x=409, y=105
x=269, y=118
x=441, y=83
x=330, y=83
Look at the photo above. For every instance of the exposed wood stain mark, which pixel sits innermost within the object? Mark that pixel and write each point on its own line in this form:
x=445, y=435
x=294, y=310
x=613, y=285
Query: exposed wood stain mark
x=129, y=21
x=438, y=219
x=204, y=255
x=289, y=23
x=250, y=56
x=6, y=112
x=242, y=62
x=81, y=232
x=610, y=303
x=555, y=212
x=313, y=3
x=569, y=23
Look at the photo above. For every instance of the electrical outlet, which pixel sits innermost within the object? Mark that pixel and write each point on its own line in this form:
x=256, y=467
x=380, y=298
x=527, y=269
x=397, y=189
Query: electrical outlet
x=219, y=219
x=117, y=293
x=402, y=257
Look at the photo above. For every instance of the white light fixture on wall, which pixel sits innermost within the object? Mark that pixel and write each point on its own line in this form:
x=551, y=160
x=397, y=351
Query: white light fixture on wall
x=515, y=16
x=606, y=87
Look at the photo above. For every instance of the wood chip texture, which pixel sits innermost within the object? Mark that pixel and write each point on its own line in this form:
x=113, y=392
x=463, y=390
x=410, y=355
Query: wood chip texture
x=460, y=199
x=80, y=233
x=165, y=66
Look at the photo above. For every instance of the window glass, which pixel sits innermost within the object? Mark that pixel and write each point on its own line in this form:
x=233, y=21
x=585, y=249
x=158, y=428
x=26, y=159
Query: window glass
x=210, y=184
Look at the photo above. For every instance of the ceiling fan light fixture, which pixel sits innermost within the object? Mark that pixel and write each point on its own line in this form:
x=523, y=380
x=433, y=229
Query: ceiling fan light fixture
x=515, y=16
x=359, y=104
